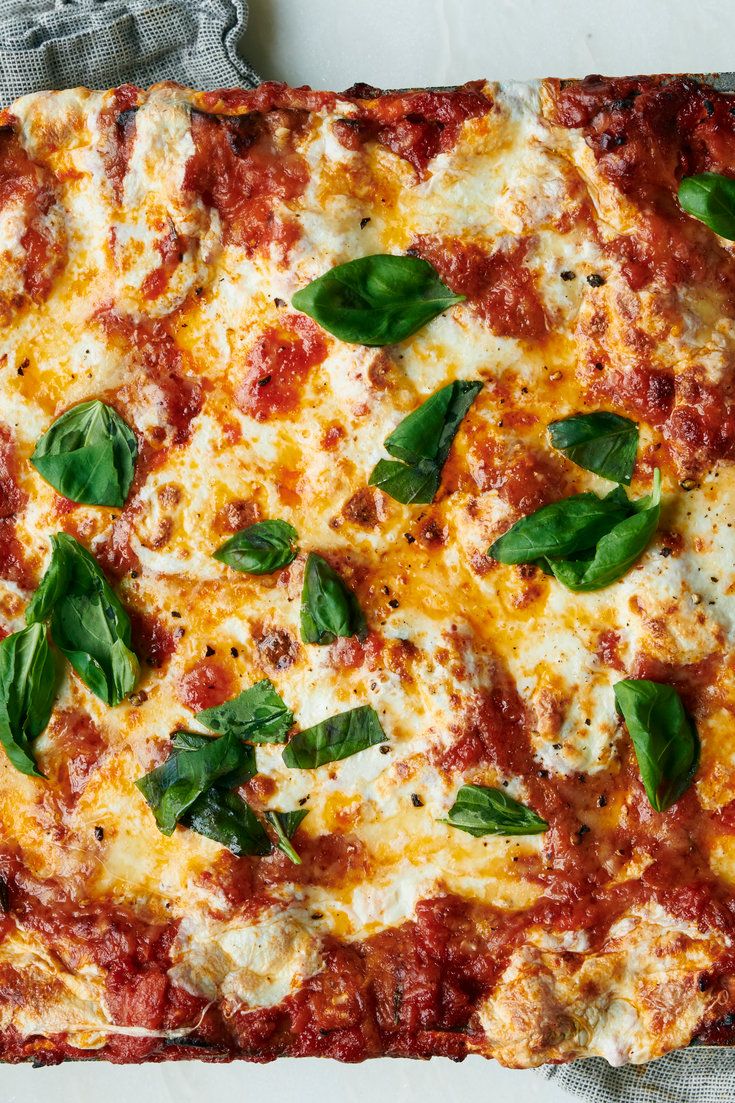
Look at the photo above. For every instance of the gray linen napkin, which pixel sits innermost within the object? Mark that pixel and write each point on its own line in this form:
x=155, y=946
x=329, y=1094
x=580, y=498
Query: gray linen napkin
x=696, y=1075
x=100, y=43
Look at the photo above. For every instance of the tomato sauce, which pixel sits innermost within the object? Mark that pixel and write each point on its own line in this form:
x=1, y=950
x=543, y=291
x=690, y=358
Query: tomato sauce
x=76, y=746
x=521, y=475
x=22, y=181
x=241, y=170
x=608, y=649
x=271, y=95
x=12, y=498
x=278, y=366
x=14, y=565
x=116, y=554
x=206, y=684
x=118, y=121
x=171, y=248
x=153, y=643
x=164, y=363
x=331, y=860
x=416, y=126
x=499, y=285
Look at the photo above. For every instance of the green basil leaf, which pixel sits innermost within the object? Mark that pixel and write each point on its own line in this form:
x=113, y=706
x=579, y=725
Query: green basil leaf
x=284, y=824
x=376, y=300
x=563, y=528
x=480, y=810
x=328, y=607
x=257, y=715
x=664, y=738
x=617, y=551
x=191, y=741
x=27, y=693
x=427, y=433
x=338, y=737
x=228, y=819
x=173, y=787
x=260, y=548
x=710, y=197
x=408, y=485
x=88, y=622
x=422, y=442
x=88, y=455
x=601, y=442
x=54, y=584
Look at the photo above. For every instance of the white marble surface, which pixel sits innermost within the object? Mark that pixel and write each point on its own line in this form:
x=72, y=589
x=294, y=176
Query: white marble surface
x=399, y=43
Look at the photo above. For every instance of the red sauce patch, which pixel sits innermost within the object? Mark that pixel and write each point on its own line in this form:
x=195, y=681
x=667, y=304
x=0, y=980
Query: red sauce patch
x=499, y=285
x=278, y=366
x=333, y=1011
x=647, y=392
x=495, y=731
x=271, y=95
x=164, y=364
x=724, y=819
x=12, y=498
x=329, y=860
x=117, y=121
x=414, y=125
x=137, y=1000
x=241, y=169
x=608, y=649
x=76, y=747
x=206, y=684
x=152, y=641
x=23, y=181
x=346, y=654
x=116, y=554
x=171, y=248
x=524, y=478
x=13, y=563
x=692, y=680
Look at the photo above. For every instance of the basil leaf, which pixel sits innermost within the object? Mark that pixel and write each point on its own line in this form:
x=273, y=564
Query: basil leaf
x=427, y=433
x=601, y=442
x=563, y=528
x=617, y=551
x=228, y=819
x=328, y=608
x=407, y=484
x=257, y=715
x=710, y=197
x=376, y=300
x=479, y=810
x=190, y=741
x=284, y=824
x=664, y=738
x=27, y=693
x=338, y=737
x=422, y=442
x=260, y=548
x=88, y=455
x=88, y=623
x=173, y=787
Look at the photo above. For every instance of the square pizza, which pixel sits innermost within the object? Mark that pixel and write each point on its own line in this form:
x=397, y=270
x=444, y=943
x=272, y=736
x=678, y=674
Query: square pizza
x=366, y=572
